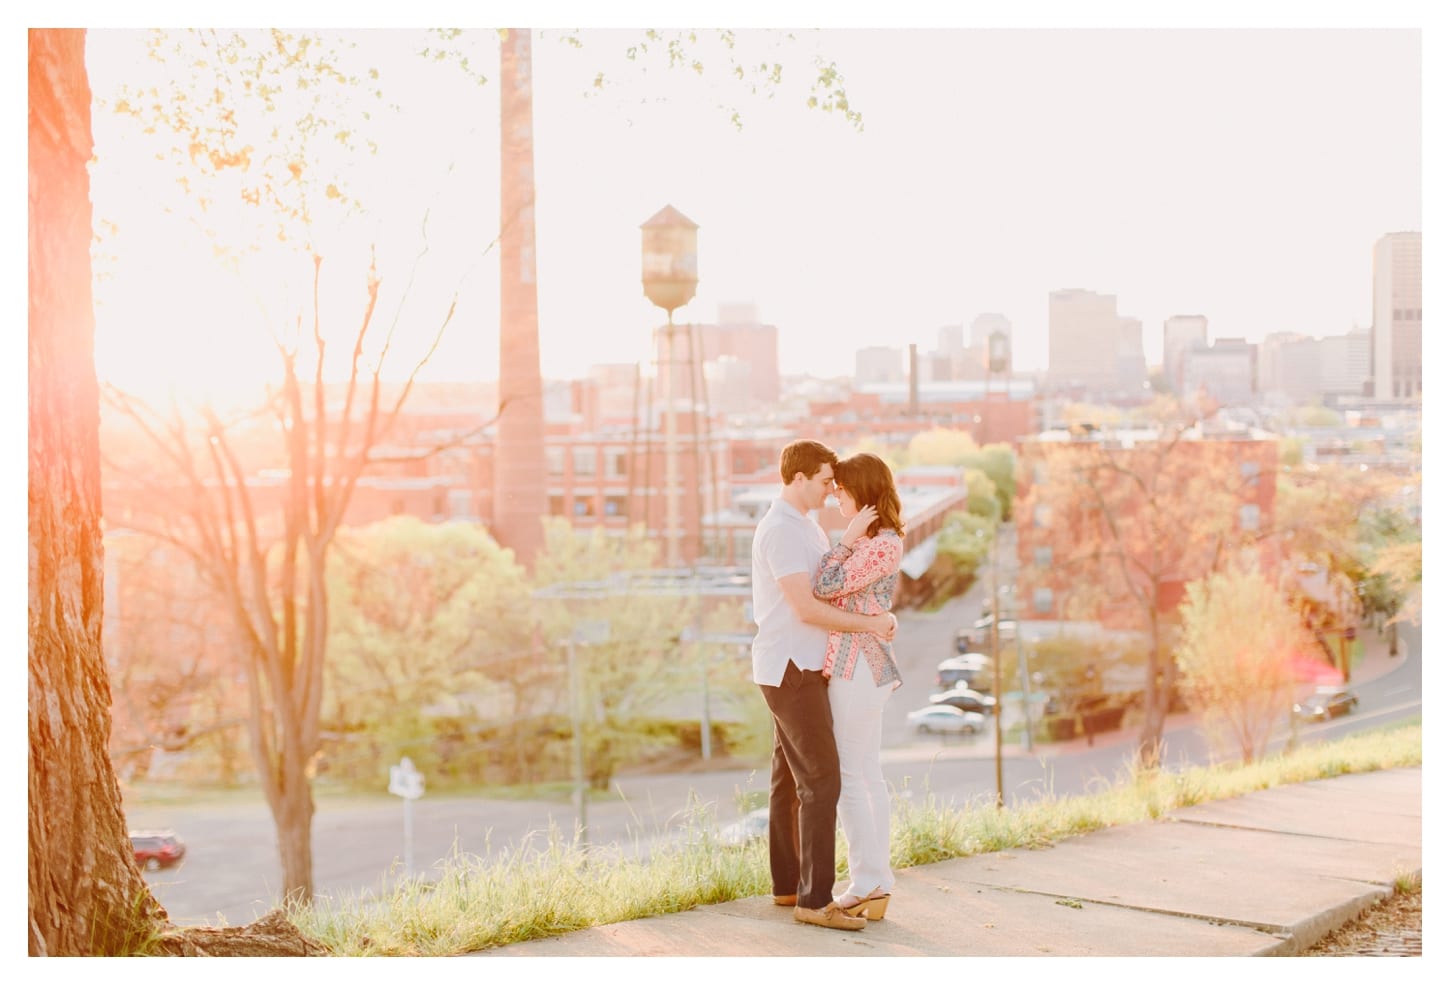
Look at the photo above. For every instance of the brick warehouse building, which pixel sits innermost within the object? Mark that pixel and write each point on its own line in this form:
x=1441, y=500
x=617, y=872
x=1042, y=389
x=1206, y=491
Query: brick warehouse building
x=601, y=470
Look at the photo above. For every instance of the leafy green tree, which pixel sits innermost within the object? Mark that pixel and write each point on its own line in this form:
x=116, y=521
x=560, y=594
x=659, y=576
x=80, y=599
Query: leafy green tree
x=999, y=464
x=1400, y=566
x=940, y=446
x=1235, y=656
x=422, y=615
x=1317, y=415
x=1388, y=567
x=981, y=494
x=1336, y=519
x=963, y=546
x=596, y=589
x=1291, y=452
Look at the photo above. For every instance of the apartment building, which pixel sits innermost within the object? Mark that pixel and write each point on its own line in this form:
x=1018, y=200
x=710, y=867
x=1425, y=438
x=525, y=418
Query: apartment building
x=1395, y=353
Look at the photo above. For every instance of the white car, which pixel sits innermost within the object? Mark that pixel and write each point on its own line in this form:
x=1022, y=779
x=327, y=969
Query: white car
x=751, y=827
x=944, y=719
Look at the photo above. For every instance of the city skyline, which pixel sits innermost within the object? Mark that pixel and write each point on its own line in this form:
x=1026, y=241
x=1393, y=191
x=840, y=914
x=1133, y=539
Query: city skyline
x=982, y=182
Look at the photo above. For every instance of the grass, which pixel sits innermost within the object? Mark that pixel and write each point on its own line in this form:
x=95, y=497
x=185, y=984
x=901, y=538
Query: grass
x=478, y=904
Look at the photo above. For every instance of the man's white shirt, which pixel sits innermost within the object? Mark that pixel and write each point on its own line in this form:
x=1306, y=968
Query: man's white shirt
x=786, y=542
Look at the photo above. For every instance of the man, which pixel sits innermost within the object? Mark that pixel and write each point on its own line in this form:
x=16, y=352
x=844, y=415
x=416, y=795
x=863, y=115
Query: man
x=787, y=657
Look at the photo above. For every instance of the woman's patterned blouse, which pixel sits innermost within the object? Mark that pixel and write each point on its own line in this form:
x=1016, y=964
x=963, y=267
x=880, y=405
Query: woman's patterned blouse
x=861, y=578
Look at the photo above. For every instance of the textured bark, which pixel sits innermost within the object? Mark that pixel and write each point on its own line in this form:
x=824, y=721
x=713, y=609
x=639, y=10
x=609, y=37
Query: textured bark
x=520, y=496
x=270, y=937
x=86, y=895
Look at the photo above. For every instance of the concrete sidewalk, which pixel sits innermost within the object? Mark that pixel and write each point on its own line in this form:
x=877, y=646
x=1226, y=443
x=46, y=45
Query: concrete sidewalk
x=1269, y=873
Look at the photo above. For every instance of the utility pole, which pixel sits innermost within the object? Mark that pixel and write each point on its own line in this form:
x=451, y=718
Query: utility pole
x=996, y=670
x=581, y=794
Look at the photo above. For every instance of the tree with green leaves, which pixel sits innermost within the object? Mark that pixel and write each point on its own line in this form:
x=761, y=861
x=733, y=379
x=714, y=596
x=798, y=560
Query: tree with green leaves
x=1235, y=656
x=999, y=464
x=594, y=590
x=424, y=616
x=941, y=446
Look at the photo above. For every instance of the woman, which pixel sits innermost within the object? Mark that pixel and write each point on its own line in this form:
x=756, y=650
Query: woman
x=859, y=574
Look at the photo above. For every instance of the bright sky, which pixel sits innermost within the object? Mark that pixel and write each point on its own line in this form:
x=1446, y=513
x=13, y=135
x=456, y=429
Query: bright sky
x=1235, y=174
x=1240, y=174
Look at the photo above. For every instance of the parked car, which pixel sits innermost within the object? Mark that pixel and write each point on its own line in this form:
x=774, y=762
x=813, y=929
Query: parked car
x=1326, y=703
x=157, y=849
x=751, y=827
x=963, y=697
x=968, y=669
x=945, y=720
x=1006, y=632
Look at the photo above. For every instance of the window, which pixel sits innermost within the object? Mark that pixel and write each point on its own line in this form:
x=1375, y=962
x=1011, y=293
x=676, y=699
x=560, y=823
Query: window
x=1041, y=515
x=584, y=461
x=1042, y=556
x=1250, y=472
x=583, y=507
x=616, y=463
x=615, y=506
x=1042, y=600
x=1039, y=473
x=554, y=460
x=1249, y=516
x=556, y=505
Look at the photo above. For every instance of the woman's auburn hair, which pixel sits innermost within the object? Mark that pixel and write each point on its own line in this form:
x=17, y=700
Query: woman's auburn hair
x=869, y=481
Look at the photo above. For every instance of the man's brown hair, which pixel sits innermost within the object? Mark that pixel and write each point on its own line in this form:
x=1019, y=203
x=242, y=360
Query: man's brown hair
x=806, y=457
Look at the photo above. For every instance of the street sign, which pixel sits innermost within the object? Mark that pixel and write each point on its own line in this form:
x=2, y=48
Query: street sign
x=405, y=781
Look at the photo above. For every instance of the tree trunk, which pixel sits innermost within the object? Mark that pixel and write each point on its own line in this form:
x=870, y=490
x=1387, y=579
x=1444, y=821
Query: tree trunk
x=86, y=895
x=1155, y=698
x=520, y=497
x=294, y=833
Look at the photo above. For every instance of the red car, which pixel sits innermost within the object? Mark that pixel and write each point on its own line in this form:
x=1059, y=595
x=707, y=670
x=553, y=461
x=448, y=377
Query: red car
x=157, y=849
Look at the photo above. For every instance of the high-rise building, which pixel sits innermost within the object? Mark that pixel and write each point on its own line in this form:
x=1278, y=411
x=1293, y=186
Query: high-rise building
x=1225, y=371
x=1396, y=332
x=1289, y=366
x=1304, y=370
x=1132, y=366
x=1344, y=363
x=879, y=364
x=1179, y=334
x=1084, y=333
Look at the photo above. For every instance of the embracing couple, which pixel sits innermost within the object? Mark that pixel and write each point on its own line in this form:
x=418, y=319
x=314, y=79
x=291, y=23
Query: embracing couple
x=822, y=658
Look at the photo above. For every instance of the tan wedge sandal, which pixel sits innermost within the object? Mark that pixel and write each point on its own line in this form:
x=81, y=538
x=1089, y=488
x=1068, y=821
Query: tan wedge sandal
x=872, y=906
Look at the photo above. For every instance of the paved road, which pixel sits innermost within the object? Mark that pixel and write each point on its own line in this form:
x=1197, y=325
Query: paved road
x=231, y=873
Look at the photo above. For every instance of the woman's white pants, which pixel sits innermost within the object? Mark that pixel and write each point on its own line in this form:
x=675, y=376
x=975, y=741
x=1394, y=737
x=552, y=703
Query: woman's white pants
x=865, y=806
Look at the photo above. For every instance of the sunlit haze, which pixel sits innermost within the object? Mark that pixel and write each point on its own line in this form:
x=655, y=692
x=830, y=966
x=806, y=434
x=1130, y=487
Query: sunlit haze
x=1243, y=175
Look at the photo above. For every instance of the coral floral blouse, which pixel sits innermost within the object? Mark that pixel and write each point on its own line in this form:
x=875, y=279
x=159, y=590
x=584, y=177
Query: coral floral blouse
x=861, y=578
